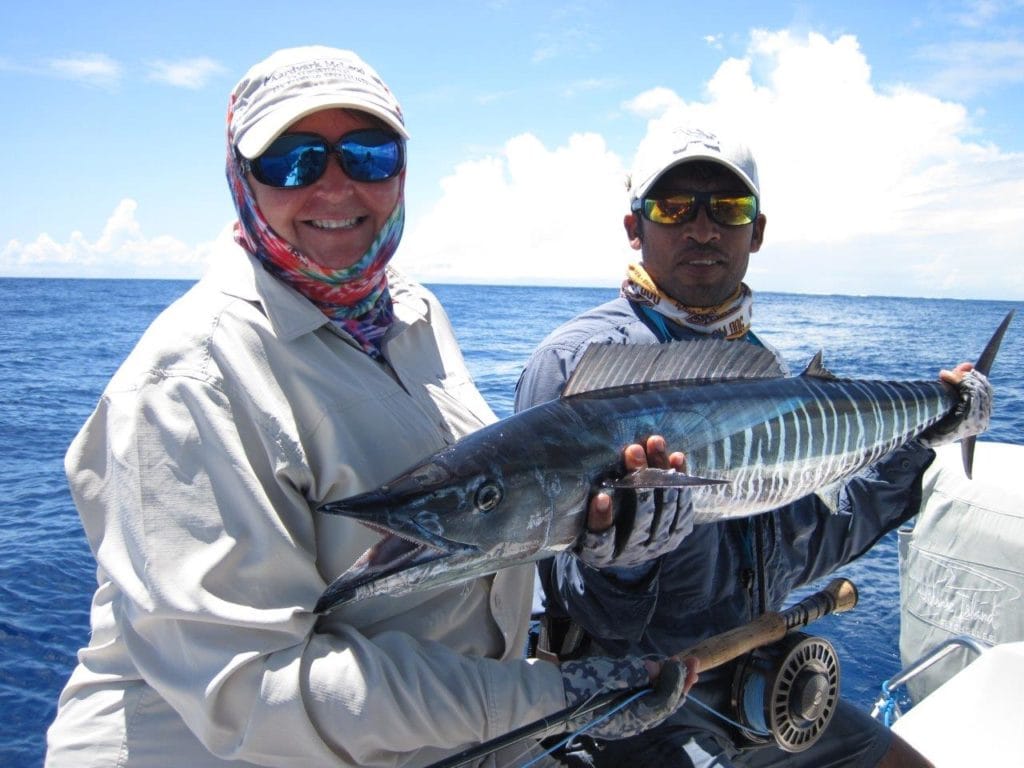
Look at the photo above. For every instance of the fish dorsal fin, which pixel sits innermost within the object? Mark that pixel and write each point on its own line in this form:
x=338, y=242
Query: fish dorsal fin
x=639, y=366
x=817, y=369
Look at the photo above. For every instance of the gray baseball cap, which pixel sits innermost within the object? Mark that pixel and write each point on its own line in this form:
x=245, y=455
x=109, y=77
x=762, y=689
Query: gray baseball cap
x=294, y=82
x=664, y=149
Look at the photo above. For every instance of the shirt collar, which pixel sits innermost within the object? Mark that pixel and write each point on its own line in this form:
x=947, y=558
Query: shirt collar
x=291, y=314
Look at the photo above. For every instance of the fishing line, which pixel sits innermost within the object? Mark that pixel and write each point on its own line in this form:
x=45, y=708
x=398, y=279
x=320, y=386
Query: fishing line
x=712, y=711
x=583, y=729
x=598, y=720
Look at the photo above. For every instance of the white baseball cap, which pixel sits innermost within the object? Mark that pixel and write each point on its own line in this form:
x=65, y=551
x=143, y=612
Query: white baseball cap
x=294, y=82
x=664, y=149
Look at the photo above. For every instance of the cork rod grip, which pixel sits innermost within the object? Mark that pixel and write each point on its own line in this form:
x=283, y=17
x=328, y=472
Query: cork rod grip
x=840, y=595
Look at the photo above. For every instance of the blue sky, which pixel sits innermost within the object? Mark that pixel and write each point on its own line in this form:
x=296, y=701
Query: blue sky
x=888, y=134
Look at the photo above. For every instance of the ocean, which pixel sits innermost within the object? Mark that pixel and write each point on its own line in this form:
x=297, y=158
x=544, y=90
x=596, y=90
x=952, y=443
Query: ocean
x=60, y=341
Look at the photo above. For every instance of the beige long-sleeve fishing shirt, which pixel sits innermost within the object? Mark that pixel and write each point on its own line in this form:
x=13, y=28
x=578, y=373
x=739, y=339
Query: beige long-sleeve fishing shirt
x=197, y=478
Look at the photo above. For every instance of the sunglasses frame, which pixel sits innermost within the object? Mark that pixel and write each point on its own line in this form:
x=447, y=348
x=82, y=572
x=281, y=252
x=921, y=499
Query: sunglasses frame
x=703, y=200
x=332, y=148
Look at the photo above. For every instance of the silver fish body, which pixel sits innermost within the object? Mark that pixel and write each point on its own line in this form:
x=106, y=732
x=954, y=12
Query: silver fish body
x=773, y=441
x=517, y=490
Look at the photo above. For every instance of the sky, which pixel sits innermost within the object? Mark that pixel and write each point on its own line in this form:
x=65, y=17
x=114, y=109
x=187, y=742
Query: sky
x=888, y=135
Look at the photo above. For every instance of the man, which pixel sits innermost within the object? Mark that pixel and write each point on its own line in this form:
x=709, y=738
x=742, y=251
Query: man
x=695, y=218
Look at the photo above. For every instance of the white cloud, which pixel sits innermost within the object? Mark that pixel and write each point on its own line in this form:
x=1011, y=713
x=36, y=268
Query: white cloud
x=100, y=70
x=121, y=250
x=555, y=215
x=867, y=188
x=979, y=13
x=93, y=69
x=187, y=73
x=968, y=68
x=589, y=85
x=653, y=101
x=569, y=40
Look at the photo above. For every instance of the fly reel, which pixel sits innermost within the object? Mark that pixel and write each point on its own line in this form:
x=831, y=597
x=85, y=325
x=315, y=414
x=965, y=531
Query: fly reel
x=788, y=690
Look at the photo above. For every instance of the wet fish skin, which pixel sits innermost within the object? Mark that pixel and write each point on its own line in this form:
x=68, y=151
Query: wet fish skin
x=516, y=490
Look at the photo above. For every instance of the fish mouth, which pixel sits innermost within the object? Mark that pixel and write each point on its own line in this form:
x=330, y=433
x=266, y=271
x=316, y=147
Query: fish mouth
x=388, y=557
x=409, y=542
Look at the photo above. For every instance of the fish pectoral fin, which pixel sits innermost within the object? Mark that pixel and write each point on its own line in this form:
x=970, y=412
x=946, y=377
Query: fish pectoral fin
x=652, y=477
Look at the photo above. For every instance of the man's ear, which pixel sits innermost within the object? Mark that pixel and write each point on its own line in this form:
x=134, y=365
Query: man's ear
x=631, y=222
x=757, y=236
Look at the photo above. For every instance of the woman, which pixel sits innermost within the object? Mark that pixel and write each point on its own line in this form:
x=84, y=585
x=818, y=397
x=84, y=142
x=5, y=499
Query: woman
x=300, y=370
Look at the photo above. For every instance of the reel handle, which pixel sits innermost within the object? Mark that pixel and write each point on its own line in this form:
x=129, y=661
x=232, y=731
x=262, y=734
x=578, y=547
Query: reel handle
x=839, y=596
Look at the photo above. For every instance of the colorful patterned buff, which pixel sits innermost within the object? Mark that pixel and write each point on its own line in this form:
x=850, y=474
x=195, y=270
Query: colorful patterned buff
x=731, y=318
x=355, y=298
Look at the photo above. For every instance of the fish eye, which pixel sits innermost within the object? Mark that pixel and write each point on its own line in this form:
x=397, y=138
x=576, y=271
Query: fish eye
x=488, y=496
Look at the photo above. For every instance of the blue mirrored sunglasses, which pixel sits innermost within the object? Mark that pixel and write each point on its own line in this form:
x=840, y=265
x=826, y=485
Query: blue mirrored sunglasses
x=300, y=159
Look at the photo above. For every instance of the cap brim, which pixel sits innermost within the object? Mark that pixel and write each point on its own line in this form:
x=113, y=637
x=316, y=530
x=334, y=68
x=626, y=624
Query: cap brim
x=276, y=120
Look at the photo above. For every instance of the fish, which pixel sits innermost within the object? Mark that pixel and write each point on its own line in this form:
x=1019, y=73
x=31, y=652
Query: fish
x=516, y=491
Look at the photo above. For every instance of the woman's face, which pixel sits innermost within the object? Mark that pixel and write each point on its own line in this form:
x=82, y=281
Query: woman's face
x=335, y=220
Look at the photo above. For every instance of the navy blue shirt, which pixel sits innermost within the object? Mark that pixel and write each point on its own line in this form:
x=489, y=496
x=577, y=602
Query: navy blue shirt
x=723, y=574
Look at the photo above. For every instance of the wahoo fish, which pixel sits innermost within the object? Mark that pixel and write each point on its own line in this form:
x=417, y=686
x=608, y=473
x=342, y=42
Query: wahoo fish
x=517, y=490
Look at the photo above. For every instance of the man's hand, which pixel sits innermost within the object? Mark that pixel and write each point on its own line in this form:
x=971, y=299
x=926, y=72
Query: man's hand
x=971, y=415
x=659, y=519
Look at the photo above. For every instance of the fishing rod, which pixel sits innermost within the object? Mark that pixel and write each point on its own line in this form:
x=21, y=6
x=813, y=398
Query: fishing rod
x=839, y=596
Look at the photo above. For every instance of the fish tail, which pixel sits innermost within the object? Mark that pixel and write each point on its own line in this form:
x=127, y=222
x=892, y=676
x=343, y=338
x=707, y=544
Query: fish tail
x=983, y=366
x=988, y=355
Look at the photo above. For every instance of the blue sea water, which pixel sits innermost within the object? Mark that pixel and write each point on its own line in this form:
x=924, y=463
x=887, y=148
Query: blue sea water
x=60, y=341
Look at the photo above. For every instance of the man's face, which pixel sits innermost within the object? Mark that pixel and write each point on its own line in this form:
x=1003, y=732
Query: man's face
x=699, y=263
